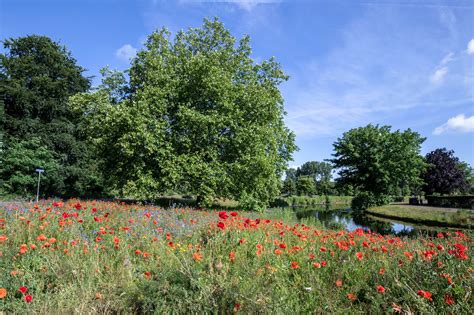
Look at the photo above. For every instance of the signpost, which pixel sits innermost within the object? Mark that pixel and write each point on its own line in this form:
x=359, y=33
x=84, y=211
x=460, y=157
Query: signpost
x=39, y=171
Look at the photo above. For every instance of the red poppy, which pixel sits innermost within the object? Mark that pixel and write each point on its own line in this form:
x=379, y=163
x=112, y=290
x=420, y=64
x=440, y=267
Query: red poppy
x=294, y=265
x=23, y=289
x=338, y=283
x=28, y=298
x=359, y=255
x=223, y=215
x=448, y=299
x=234, y=214
x=425, y=294
x=221, y=225
x=351, y=296
x=231, y=256
x=380, y=289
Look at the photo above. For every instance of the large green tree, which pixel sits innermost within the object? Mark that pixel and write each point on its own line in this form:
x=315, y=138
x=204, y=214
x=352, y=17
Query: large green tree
x=375, y=160
x=199, y=115
x=37, y=76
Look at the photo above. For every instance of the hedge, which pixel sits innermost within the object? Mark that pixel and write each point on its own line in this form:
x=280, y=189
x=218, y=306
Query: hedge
x=466, y=201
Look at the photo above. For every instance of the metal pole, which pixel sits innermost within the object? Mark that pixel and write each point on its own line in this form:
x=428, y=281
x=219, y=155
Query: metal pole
x=38, y=190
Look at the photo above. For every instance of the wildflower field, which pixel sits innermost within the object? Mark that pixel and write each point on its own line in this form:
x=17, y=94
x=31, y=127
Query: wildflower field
x=105, y=257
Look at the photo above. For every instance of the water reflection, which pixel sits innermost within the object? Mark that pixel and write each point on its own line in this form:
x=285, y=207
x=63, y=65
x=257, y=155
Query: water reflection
x=353, y=220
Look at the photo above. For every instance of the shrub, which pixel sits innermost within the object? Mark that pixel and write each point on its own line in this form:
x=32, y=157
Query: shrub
x=466, y=201
x=365, y=200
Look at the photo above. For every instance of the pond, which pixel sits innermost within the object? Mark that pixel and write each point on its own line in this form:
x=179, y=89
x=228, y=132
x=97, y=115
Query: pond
x=350, y=220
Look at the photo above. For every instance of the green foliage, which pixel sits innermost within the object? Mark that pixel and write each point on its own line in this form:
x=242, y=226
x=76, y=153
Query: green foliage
x=465, y=201
x=19, y=164
x=199, y=116
x=305, y=185
x=37, y=78
x=378, y=161
x=320, y=172
x=364, y=200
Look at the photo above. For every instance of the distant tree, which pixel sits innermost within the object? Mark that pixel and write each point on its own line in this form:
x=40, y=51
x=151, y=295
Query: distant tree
x=305, y=185
x=320, y=172
x=37, y=76
x=289, y=184
x=199, y=114
x=376, y=160
x=445, y=173
x=469, y=175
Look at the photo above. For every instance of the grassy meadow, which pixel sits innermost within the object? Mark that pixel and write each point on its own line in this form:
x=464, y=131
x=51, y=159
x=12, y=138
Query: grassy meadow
x=105, y=257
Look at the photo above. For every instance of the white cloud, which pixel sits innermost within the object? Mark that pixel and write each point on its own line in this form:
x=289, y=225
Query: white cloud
x=470, y=47
x=456, y=124
x=439, y=74
x=447, y=59
x=126, y=52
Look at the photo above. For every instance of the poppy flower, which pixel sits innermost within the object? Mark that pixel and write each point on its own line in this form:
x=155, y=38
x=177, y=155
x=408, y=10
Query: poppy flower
x=359, y=255
x=231, y=256
x=28, y=298
x=23, y=289
x=448, y=299
x=3, y=293
x=294, y=265
x=317, y=265
x=223, y=215
x=380, y=289
x=351, y=296
x=425, y=294
x=338, y=283
x=278, y=252
x=197, y=256
x=381, y=271
x=147, y=274
x=221, y=225
x=234, y=214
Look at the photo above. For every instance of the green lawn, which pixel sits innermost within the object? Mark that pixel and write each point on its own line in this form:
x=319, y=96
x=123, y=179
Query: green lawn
x=426, y=215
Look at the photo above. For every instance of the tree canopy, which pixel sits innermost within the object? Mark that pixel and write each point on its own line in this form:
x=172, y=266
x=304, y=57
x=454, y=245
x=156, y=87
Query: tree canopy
x=199, y=116
x=445, y=173
x=376, y=160
x=37, y=77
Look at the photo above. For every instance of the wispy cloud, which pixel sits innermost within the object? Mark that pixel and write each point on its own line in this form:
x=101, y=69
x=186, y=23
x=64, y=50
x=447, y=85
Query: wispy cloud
x=247, y=5
x=383, y=66
x=438, y=76
x=126, y=52
x=457, y=124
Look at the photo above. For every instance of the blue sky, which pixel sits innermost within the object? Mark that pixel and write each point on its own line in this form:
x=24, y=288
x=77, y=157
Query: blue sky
x=408, y=64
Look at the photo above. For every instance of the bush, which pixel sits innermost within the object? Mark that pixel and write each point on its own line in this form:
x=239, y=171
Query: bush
x=365, y=200
x=399, y=198
x=280, y=203
x=466, y=201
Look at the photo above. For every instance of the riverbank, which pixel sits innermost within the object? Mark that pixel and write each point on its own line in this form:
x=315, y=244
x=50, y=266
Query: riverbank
x=449, y=217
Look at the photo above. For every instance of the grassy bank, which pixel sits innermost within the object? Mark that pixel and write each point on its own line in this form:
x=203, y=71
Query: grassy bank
x=426, y=215
x=104, y=257
x=307, y=201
